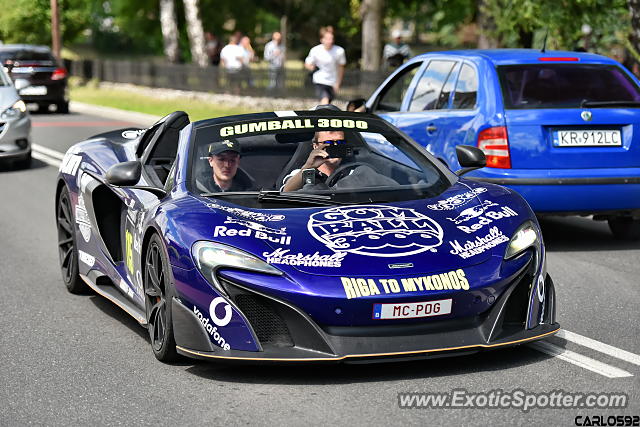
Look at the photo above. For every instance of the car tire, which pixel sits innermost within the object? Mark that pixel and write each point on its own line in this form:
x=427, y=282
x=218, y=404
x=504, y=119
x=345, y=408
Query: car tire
x=625, y=228
x=62, y=107
x=67, y=249
x=158, y=296
x=24, y=163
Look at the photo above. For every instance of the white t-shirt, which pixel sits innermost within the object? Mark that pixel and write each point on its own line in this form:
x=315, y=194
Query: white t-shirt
x=327, y=61
x=230, y=54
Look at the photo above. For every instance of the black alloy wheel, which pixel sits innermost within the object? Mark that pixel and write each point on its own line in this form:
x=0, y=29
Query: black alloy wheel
x=67, y=249
x=158, y=290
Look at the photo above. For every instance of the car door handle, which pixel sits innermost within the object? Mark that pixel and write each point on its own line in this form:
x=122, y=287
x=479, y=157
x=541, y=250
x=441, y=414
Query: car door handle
x=431, y=129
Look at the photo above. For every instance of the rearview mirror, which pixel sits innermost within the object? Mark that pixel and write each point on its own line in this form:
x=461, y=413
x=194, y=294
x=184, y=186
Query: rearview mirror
x=470, y=158
x=125, y=174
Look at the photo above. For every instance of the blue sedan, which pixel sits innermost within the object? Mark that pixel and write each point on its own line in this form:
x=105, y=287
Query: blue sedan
x=561, y=128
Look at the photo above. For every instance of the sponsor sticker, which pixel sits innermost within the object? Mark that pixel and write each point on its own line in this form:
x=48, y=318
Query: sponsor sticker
x=284, y=257
x=478, y=245
x=82, y=219
x=70, y=163
x=488, y=217
x=374, y=230
x=271, y=125
x=250, y=215
x=126, y=289
x=472, y=212
x=456, y=201
x=86, y=258
x=211, y=329
x=253, y=229
x=357, y=287
x=133, y=134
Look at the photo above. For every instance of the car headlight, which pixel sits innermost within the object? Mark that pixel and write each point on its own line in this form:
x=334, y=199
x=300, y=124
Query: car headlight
x=526, y=236
x=16, y=110
x=210, y=256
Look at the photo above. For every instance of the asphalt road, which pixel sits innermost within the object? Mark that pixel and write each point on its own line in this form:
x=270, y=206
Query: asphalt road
x=79, y=360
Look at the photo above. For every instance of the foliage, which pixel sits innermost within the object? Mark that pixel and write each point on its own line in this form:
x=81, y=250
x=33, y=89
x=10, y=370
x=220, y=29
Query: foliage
x=517, y=20
x=29, y=21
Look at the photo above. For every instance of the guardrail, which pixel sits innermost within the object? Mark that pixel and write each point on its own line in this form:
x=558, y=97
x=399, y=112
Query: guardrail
x=256, y=82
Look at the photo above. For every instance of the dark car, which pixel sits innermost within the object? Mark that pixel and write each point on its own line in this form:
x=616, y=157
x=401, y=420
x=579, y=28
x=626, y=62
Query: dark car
x=37, y=75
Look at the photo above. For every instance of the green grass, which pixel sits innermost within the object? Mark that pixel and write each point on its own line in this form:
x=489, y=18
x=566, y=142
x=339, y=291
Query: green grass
x=124, y=100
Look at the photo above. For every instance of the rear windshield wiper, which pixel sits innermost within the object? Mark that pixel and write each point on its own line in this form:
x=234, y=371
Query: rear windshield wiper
x=604, y=104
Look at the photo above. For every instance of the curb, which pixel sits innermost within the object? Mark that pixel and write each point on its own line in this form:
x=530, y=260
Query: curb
x=114, y=113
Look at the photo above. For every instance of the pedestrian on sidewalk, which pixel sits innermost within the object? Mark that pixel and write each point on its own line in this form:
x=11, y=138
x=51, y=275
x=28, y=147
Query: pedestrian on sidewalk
x=231, y=59
x=274, y=54
x=249, y=57
x=327, y=62
x=396, y=51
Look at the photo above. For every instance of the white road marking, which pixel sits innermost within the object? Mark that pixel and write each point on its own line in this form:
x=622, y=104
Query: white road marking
x=44, y=158
x=580, y=360
x=49, y=152
x=610, y=350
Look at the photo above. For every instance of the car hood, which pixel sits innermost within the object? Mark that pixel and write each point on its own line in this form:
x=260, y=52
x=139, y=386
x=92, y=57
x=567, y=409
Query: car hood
x=8, y=97
x=461, y=227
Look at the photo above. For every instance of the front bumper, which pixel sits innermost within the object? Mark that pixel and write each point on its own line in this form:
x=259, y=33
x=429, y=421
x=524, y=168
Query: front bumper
x=574, y=191
x=15, y=138
x=287, y=334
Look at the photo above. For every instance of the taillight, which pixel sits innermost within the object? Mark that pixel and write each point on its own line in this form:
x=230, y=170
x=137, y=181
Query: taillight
x=59, y=74
x=495, y=144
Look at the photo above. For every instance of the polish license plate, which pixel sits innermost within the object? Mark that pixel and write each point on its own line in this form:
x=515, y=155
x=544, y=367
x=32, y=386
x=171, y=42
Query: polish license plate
x=34, y=90
x=412, y=310
x=587, y=138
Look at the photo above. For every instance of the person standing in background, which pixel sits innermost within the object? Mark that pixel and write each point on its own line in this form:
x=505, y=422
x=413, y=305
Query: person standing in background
x=213, y=48
x=396, y=52
x=231, y=58
x=274, y=54
x=327, y=62
x=249, y=55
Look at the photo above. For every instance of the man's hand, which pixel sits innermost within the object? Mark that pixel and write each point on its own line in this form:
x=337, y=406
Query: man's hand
x=316, y=158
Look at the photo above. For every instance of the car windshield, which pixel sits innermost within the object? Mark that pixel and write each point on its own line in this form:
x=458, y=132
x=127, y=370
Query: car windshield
x=360, y=160
x=534, y=86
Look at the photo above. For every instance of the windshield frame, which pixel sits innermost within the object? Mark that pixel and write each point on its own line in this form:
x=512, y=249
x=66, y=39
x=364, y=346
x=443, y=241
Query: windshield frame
x=446, y=177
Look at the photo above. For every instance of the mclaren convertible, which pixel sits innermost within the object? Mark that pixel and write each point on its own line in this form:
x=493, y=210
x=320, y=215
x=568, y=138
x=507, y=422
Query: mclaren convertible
x=300, y=236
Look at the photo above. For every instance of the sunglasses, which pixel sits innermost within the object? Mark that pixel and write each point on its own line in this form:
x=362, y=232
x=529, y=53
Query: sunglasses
x=333, y=142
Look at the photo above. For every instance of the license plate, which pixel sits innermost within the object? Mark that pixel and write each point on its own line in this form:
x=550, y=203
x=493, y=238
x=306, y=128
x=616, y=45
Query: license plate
x=412, y=310
x=34, y=90
x=587, y=138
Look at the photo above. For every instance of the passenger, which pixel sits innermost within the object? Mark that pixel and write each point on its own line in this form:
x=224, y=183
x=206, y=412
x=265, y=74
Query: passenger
x=224, y=159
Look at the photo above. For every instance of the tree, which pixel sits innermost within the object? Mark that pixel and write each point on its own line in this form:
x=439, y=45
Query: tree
x=29, y=21
x=371, y=11
x=169, y=26
x=634, y=37
x=195, y=32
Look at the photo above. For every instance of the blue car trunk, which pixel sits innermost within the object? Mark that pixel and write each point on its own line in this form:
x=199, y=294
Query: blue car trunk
x=549, y=139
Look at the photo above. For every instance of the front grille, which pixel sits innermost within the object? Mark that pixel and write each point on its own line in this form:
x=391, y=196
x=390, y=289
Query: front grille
x=269, y=327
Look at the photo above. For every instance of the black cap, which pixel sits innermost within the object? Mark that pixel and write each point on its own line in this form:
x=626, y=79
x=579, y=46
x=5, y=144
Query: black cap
x=224, y=145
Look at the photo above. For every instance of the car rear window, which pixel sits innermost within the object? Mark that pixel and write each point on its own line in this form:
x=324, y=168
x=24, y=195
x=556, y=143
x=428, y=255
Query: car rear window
x=534, y=86
x=25, y=55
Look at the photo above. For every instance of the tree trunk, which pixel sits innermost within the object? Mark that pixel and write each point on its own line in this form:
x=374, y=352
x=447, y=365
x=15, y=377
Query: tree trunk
x=371, y=12
x=195, y=32
x=169, y=27
x=634, y=11
x=485, y=27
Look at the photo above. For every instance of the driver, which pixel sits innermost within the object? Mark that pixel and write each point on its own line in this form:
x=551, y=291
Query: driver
x=322, y=168
x=224, y=159
x=318, y=161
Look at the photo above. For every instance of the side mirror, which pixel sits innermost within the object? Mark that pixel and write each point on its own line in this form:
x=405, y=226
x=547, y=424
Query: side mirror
x=470, y=158
x=124, y=174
